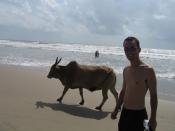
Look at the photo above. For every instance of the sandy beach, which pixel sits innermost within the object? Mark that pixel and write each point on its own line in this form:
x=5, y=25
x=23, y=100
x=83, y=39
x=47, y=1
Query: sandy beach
x=28, y=103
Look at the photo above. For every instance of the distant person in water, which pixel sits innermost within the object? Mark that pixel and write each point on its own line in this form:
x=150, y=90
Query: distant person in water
x=138, y=77
x=97, y=54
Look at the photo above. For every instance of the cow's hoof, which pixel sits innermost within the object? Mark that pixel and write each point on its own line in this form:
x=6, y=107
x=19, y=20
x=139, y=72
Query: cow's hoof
x=98, y=108
x=59, y=100
x=81, y=103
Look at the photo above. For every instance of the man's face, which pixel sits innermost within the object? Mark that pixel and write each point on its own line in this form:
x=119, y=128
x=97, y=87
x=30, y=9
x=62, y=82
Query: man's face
x=131, y=50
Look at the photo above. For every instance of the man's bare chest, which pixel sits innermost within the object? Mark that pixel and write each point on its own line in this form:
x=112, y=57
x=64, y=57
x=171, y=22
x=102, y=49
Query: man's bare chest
x=135, y=77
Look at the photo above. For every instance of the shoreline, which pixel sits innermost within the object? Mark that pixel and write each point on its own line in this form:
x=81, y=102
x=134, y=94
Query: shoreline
x=28, y=102
x=164, y=93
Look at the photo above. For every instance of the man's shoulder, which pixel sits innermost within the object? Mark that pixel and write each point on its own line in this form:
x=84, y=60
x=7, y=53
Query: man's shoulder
x=148, y=67
x=126, y=68
x=149, y=70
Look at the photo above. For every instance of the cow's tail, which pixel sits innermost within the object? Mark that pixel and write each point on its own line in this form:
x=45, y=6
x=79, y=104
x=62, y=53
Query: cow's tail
x=110, y=79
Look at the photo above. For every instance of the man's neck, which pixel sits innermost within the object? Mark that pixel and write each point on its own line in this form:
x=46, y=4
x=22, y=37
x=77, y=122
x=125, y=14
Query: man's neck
x=136, y=63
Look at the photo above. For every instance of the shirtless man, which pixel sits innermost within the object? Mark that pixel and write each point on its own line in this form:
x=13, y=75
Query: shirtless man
x=138, y=77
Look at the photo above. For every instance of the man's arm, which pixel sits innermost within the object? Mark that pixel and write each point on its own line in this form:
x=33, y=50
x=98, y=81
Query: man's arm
x=120, y=100
x=152, y=83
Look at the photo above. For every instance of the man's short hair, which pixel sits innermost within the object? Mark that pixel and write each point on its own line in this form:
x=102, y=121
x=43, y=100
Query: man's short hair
x=131, y=38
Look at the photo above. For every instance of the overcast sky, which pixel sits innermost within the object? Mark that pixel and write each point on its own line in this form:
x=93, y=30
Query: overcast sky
x=90, y=21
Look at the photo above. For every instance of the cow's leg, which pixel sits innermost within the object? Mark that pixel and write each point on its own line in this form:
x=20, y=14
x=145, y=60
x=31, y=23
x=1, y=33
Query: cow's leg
x=81, y=94
x=114, y=92
x=64, y=92
x=105, y=97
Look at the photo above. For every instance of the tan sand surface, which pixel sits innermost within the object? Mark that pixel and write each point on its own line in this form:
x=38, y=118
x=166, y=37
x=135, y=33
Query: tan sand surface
x=28, y=103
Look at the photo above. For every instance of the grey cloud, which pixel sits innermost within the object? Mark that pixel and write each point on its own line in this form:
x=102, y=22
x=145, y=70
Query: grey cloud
x=101, y=17
x=91, y=20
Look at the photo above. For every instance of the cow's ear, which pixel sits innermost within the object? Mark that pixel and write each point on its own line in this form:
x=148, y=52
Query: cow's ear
x=57, y=67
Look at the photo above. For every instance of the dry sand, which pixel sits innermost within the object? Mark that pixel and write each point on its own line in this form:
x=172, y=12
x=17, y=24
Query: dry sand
x=28, y=103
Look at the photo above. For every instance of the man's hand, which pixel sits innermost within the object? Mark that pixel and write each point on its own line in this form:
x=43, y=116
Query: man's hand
x=114, y=115
x=153, y=124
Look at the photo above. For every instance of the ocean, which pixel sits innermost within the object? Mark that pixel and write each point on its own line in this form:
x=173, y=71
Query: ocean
x=37, y=54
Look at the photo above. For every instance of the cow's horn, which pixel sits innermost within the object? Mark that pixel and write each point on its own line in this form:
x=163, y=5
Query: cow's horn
x=59, y=60
x=56, y=60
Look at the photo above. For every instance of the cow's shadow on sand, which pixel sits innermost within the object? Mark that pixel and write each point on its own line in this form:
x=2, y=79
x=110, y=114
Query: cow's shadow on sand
x=75, y=110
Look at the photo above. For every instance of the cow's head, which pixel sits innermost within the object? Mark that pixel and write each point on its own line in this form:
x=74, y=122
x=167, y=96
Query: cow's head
x=54, y=70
